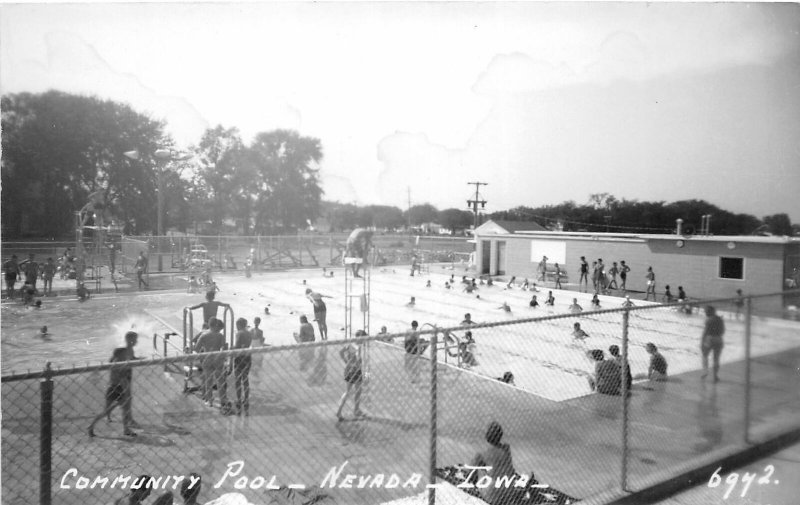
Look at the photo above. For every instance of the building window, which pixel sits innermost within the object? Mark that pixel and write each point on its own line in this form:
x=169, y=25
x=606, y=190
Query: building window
x=731, y=268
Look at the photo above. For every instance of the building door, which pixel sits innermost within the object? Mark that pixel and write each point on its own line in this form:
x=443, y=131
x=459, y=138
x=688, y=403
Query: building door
x=486, y=252
x=501, y=258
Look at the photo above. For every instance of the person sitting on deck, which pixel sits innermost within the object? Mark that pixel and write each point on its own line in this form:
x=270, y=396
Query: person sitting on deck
x=667, y=298
x=614, y=352
x=606, y=378
x=496, y=459
x=657, y=371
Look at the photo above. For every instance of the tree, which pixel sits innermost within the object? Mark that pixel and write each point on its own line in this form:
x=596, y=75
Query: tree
x=289, y=192
x=455, y=219
x=424, y=213
x=605, y=213
x=217, y=157
x=340, y=216
x=244, y=189
x=381, y=217
x=602, y=201
x=58, y=148
x=779, y=224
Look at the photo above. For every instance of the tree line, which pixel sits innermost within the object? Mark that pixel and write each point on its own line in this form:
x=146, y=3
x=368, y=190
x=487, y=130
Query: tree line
x=60, y=148
x=605, y=213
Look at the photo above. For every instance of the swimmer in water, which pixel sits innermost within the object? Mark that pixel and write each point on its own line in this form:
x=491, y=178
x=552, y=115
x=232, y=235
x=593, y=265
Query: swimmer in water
x=578, y=333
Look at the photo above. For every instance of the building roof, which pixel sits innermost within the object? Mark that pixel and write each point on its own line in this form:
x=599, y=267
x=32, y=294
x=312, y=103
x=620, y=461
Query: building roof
x=495, y=226
x=631, y=237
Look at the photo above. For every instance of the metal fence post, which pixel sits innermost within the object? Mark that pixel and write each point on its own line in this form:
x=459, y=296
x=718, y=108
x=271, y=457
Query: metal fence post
x=747, y=331
x=623, y=375
x=432, y=453
x=46, y=437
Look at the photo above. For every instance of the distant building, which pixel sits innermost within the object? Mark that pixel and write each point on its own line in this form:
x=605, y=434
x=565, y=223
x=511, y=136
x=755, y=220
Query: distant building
x=706, y=266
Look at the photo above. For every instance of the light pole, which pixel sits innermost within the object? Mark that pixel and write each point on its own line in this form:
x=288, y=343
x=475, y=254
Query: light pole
x=163, y=156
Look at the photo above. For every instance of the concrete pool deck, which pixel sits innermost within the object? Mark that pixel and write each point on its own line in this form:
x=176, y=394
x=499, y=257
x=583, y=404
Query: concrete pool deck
x=574, y=445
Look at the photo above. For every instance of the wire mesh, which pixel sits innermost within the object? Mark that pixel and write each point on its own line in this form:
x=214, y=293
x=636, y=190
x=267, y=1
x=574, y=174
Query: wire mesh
x=276, y=426
x=20, y=441
x=349, y=421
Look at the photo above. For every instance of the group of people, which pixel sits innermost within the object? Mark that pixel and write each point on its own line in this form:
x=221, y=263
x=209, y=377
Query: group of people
x=608, y=372
x=212, y=339
x=603, y=281
x=214, y=367
x=29, y=271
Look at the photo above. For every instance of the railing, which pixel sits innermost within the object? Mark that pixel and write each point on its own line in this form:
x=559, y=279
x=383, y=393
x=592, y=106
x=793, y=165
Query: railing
x=425, y=414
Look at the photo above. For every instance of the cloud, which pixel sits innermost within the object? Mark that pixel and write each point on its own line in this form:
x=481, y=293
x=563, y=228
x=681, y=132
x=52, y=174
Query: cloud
x=411, y=160
x=622, y=55
x=74, y=66
x=338, y=188
x=518, y=73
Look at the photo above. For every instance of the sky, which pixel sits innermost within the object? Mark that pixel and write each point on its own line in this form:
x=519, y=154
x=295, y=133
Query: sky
x=545, y=101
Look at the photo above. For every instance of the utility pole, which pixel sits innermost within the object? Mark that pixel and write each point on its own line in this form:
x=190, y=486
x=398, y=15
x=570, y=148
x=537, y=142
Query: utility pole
x=473, y=204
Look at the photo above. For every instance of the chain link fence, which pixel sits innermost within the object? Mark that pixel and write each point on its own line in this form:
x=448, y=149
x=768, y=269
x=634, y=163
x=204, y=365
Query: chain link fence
x=226, y=252
x=377, y=419
x=114, y=262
